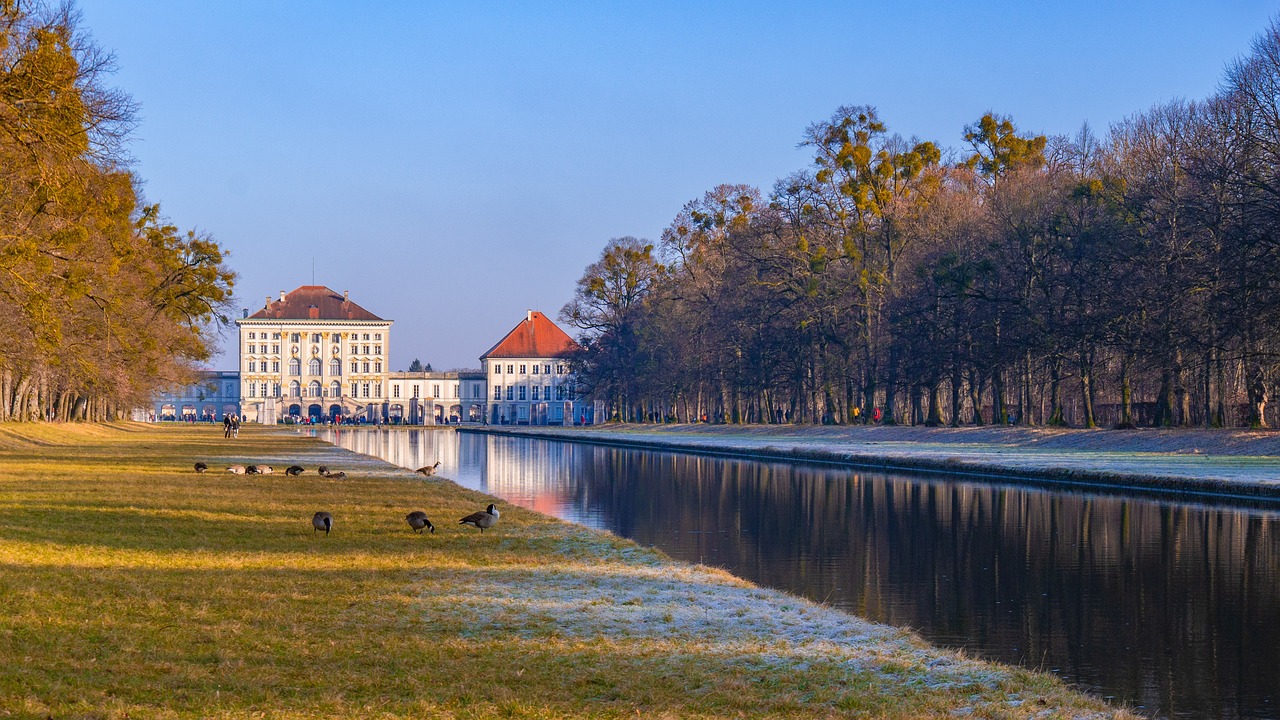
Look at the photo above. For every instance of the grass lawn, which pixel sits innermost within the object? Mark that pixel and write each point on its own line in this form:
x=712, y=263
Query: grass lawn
x=130, y=586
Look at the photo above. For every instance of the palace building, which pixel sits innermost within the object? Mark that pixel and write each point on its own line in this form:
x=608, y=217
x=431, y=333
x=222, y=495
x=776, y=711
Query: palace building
x=313, y=353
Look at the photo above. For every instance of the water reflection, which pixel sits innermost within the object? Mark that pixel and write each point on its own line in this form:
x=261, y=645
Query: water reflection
x=1173, y=607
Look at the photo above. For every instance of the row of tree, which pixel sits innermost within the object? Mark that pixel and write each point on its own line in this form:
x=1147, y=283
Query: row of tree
x=104, y=301
x=1127, y=279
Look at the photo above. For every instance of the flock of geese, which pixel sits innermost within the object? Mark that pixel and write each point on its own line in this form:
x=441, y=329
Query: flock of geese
x=483, y=519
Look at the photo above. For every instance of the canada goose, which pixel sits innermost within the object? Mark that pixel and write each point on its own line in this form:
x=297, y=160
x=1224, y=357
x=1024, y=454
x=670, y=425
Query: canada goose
x=336, y=475
x=323, y=470
x=428, y=470
x=237, y=470
x=294, y=470
x=418, y=520
x=486, y=518
x=322, y=521
x=265, y=470
x=251, y=470
x=201, y=467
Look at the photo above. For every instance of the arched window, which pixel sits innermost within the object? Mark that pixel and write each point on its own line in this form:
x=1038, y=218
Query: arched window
x=295, y=367
x=335, y=389
x=314, y=388
x=335, y=367
x=313, y=367
x=295, y=389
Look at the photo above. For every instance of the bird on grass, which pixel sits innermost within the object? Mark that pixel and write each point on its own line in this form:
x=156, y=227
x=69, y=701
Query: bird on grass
x=428, y=470
x=237, y=470
x=251, y=470
x=486, y=518
x=322, y=521
x=294, y=470
x=336, y=475
x=418, y=520
x=323, y=470
x=265, y=469
x=201, y=467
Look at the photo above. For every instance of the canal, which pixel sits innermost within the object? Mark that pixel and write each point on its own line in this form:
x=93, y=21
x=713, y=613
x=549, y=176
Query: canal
x=1168, y=606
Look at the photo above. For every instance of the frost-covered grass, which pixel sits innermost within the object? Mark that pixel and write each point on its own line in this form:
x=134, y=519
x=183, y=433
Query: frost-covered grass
x=1247, y=461
x=133, y=587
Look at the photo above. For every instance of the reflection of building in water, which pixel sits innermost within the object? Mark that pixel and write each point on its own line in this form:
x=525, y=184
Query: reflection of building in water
x=214, y=396
x=542, y=481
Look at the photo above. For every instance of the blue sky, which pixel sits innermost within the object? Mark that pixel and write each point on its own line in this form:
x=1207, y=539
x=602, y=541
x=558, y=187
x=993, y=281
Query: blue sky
x=454, y=164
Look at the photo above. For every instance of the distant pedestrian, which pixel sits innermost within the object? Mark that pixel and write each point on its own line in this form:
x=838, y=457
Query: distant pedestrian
x=235, y=426
x=226, y=425
x=875, y=415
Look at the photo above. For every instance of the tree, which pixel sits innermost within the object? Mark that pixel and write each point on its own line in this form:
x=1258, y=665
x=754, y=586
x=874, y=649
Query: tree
x=415, y=366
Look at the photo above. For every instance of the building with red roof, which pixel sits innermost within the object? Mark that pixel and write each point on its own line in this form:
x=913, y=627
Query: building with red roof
x=529, y=376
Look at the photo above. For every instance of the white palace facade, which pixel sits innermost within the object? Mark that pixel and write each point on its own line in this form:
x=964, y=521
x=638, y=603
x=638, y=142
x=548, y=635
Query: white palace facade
x=313, y=354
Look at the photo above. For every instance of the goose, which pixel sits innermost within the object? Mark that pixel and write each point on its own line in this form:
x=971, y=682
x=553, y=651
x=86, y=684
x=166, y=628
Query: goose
x=322, y=521
x=428, y=470
x=336, y=475
x=486, y=518
x=323, y=470
x=251, y=470
x=201, y=467
x=294, y=470
x=265, y=470
x=237, y=470
x=418, y=520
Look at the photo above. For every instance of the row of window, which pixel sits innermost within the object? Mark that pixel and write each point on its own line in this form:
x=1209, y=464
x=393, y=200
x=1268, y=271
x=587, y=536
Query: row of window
x=313, y=367
x=315, y=390
x=537, y=369
x=561, y=392
x=315, y=337
x=476, y=391
x=275, y=349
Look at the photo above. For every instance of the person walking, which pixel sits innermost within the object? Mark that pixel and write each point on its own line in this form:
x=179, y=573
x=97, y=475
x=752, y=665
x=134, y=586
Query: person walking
x=235, y=426
x=226, y=425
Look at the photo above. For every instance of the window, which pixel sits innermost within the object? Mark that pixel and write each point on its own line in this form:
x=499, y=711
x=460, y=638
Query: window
x=253, y=389
x=435, y=391
x=511, y=369
x=335, y=389
x=377, y=349
x=497, y=369
x=475, y=391
x=535, y=393
x=455, y=389
x=377, y=390
x=560, y=393
x=313, y=367
x=295, y=367
x=546, y=369
x=522, y=389
x=535, y=369
x=395, y=391
x=497, y=392
x=559, y=369
x=415, y=390
x=522, y=370
x=252, y=349
x=355, y=366
x=315, y=337
x=365, y=387
x=275, y=366
x=511, y=392
x=294, y=337
x=377, y=367
x=253, y=366
x=335, y=367
x=275, y=349
x=314, y=388
x=366, y=350
x=366, y=366
x=353, y=390
x=295, y=390
x=274, y=336
x=366, y=337
x=253, y=336
x=376, y=336
x=276, y=390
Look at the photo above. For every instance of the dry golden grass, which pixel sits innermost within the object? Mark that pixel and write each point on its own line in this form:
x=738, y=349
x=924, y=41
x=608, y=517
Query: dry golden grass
x=133, y=587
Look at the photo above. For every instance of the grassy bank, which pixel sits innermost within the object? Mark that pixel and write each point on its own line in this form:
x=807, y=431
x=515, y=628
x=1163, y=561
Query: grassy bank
x=133, y=587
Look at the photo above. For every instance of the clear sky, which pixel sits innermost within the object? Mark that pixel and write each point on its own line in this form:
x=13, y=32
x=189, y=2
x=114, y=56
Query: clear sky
x=453, y=164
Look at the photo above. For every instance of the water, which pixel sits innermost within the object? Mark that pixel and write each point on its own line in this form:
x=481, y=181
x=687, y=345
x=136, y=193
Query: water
x=1167, y=606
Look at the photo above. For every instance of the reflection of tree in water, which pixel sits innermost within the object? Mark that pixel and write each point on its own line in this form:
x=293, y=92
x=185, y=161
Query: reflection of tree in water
x=1174, y=607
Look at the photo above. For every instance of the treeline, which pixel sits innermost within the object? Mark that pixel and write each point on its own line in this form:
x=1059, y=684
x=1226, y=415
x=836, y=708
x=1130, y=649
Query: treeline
x=1118, y=280
x=103, y=301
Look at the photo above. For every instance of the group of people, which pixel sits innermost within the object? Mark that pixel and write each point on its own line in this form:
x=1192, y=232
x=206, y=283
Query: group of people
x=231, y=425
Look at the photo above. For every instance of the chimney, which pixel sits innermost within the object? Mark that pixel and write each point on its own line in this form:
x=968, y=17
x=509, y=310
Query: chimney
x=313, y=312
x=346, y=297
x=529, y=315
x=268, y=302
x=281, y=296
x=244, y=312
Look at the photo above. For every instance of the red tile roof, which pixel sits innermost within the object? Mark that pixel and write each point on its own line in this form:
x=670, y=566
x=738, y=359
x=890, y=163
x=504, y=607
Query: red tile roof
x=314, y=302
x=535, y=337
